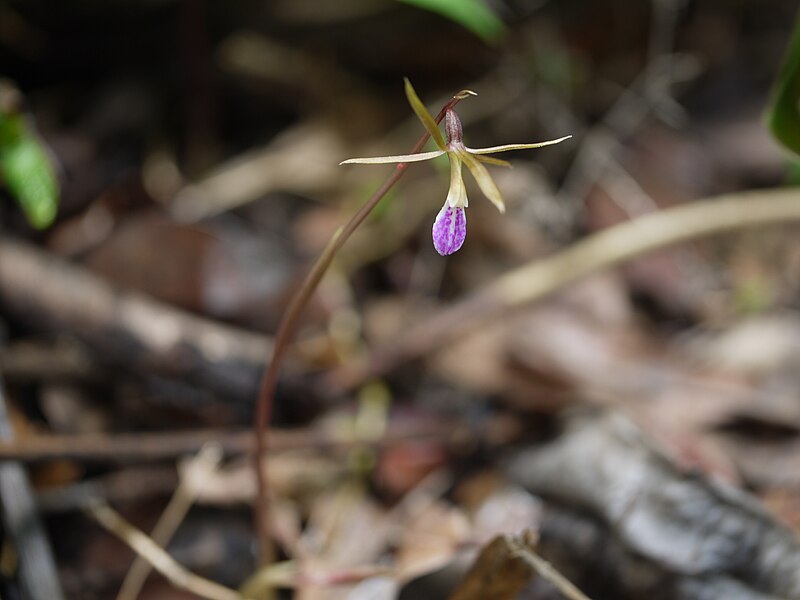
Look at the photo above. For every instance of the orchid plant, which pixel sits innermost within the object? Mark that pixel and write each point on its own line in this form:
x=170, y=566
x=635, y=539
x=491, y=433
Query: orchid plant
x=449, y=231
x=450, y=225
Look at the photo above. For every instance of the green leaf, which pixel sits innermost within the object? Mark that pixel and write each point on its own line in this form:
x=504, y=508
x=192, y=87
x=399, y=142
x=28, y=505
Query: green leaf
x=474, y=15
x=26, y=171
x=784, y=112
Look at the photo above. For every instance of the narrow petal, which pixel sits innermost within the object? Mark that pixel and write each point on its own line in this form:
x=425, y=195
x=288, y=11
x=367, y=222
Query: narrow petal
x=484, y=180
x=449, y=229
x=457, y=194
x=464, y=94
x=508, y=147
x=400, y=158
x=490, y=160
x=427, y=120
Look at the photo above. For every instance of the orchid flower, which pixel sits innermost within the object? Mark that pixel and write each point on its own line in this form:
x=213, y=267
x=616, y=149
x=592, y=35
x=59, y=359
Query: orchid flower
x=450, y=225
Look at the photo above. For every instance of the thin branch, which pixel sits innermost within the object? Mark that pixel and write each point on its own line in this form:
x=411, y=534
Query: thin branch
x=141, y=334
x=154, y=554
x=505, y=566
x=196, y=473
x=286, y=331
x=545, y=276
x=549, y=572
x=168, y=445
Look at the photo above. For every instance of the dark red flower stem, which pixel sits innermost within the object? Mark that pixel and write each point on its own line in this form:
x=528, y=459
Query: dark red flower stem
x=285, y=334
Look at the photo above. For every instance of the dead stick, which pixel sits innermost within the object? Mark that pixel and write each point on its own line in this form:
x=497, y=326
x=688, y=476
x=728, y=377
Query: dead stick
x=129, y=329
x=608, y=248
x=197, y=471
x=505, y=566
x=167, y=445
x=549, y=572
x=154, y=554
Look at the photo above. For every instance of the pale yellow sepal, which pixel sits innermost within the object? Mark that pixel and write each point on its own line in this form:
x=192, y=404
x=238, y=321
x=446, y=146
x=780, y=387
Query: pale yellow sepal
x=400, y=158
x=427, y=120
x=490, y=160
x=483, y=179
x=507, y=147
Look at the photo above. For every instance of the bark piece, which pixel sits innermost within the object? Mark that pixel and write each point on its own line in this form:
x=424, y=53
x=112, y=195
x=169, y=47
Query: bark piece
x=692, y=528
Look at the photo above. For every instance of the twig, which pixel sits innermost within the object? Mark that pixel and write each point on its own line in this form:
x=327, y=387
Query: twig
x=129, y=329
x=197, y=471
x=548, y=571
x=297, y=161
x=286, y=331
x=154, y=554
x=135, y=447
x=608, y=248
x=287, y=574
x=505, y=566
x=37, y=569
x=167, y=445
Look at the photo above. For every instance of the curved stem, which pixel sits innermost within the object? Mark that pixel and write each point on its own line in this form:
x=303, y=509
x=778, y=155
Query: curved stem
x=286, y=331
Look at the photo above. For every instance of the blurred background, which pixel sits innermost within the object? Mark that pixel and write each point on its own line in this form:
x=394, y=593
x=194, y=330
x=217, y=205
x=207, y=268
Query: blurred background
x=169, y=171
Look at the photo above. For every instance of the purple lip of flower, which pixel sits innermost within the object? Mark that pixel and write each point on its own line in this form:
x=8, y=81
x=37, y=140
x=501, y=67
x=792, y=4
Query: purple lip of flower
x=449, y=229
